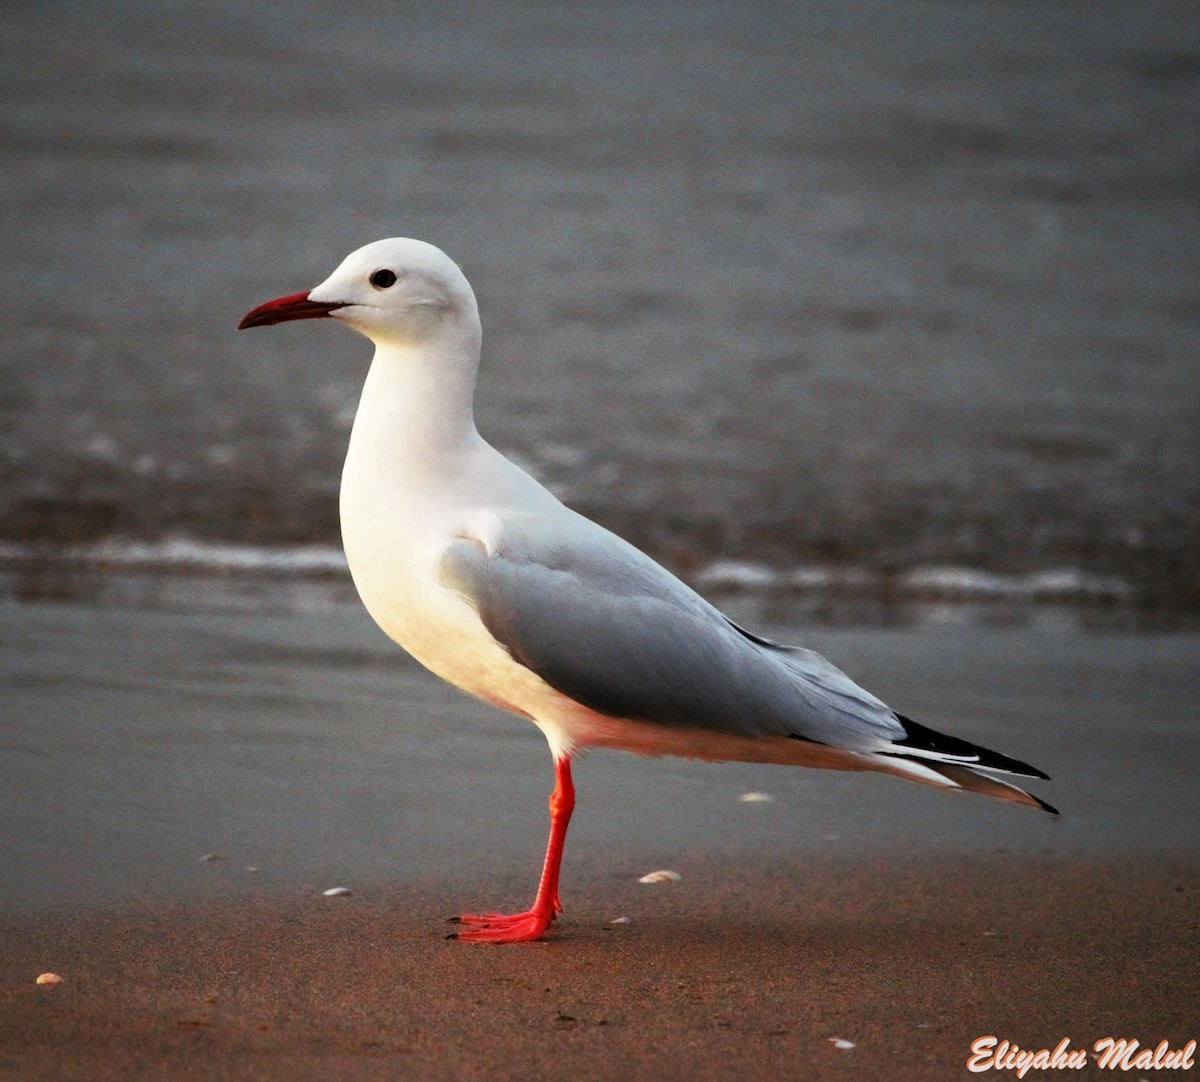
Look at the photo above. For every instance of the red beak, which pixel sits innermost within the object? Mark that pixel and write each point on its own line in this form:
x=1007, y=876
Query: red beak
x=297, y=306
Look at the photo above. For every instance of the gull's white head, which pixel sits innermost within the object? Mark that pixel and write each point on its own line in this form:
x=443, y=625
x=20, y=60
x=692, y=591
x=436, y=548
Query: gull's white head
x=397, y=291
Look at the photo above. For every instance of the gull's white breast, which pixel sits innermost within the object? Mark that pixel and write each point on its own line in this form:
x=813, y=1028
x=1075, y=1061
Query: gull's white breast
x=395, y=531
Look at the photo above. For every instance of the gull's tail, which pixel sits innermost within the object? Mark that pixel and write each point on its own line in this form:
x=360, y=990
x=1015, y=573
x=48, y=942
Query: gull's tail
x=937, y=759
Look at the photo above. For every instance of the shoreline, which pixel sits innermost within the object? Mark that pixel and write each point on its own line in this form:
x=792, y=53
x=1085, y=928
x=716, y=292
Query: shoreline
x=185, y=574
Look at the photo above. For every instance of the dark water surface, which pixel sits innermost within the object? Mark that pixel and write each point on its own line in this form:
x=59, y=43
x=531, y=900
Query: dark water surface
x=872, y=285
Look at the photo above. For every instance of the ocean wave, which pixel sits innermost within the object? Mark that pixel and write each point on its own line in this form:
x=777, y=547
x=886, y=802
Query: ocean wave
x=933, y=582
x=185, y=555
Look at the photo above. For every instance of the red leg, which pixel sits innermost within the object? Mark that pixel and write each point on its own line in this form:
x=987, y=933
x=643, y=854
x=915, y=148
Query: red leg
x=532, y=924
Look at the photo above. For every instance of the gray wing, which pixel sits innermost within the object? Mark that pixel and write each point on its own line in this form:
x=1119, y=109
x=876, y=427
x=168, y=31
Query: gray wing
x=604, y=624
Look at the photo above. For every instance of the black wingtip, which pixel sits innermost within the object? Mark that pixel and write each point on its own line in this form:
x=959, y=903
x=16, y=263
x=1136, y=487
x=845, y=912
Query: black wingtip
x=922, y=738
x=1043, y=805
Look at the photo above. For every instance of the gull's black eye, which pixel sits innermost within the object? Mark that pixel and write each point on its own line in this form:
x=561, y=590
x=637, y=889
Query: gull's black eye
x=381, y=279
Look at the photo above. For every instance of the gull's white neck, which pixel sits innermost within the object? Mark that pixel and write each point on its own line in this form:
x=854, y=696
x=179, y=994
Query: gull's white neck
x=413, y=446
x=415, y=418
x=413, y=470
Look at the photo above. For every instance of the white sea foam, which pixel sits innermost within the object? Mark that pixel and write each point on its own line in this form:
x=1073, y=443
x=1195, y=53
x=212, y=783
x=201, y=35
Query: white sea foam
x=1058, y=584
x=935, y=583
x=932, y=582
x=183, y=554
x=738, y=575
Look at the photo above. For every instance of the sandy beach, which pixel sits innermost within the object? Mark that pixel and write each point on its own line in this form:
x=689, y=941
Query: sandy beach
x=756, y=972
x=153, y=758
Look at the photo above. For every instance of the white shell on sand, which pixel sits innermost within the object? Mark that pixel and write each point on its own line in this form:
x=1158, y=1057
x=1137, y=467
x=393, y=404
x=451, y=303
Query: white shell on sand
x=661, y=876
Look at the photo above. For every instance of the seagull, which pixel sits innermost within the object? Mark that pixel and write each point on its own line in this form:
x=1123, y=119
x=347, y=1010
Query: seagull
x=490, y=582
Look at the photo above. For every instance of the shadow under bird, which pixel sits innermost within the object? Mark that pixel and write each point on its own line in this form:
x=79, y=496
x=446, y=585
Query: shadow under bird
x=490, y=582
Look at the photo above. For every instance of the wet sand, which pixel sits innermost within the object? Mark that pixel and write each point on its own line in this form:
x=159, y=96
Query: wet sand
x=301, y=744
x=752, y=973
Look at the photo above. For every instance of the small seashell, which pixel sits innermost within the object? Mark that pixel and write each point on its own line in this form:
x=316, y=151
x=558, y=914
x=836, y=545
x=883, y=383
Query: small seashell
x=208, y=858
x=661, y=876
x=756, y=798
x=252, y=869
x=620, y=920
x=841, y=1042
x=49, y=978
x=338, y=892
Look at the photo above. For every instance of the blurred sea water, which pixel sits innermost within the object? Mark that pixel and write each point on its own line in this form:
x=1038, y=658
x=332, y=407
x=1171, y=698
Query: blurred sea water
x=905, y=291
